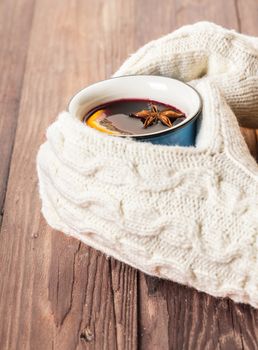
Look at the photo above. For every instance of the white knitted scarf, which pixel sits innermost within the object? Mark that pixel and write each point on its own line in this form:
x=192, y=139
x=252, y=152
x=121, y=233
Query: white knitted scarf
x=189, y=214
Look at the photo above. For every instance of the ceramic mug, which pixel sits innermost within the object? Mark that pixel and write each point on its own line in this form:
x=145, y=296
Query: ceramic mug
x=158, y=88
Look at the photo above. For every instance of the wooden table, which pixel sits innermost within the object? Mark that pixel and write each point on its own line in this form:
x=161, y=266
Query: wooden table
x=55, y=292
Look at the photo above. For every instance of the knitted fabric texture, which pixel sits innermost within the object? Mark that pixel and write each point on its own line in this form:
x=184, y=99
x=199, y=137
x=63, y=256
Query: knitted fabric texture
x=189, y=214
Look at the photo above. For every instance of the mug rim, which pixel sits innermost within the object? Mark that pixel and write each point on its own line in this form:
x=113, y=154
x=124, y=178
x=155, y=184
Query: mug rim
x=153, y=134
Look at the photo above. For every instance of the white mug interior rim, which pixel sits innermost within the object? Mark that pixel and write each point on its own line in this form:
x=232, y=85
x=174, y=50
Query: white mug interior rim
x=158, y=88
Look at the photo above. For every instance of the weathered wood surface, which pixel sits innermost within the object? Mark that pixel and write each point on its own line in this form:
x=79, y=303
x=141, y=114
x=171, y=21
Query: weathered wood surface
x=56, y=293
x=15, y=26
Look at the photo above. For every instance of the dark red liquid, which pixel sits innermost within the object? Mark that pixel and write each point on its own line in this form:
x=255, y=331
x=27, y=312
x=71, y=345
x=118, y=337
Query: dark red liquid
x=118, y=116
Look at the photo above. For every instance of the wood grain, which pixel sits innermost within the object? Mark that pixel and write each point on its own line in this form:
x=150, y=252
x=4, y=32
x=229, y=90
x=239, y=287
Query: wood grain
x=55, y=292
x=16, y=19
x=247, y=12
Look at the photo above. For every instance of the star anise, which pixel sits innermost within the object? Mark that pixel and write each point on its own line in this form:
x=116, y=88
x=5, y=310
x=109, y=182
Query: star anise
x=149, y=117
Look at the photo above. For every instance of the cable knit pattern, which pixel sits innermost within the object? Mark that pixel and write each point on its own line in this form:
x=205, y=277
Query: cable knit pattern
x=189, y=214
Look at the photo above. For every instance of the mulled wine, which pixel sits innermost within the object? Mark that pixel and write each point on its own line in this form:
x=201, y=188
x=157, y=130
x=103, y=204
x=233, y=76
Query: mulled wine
x=133, y=117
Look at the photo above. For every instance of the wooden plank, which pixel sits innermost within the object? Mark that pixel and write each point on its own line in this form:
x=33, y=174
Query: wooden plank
x=220, y=12
x=177, y=317
x=81, y=301
x=247, y=15
x=16, y=18
x=56, y=293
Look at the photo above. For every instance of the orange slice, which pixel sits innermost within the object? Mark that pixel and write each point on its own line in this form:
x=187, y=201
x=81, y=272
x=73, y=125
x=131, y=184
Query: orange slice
x=95, y=118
